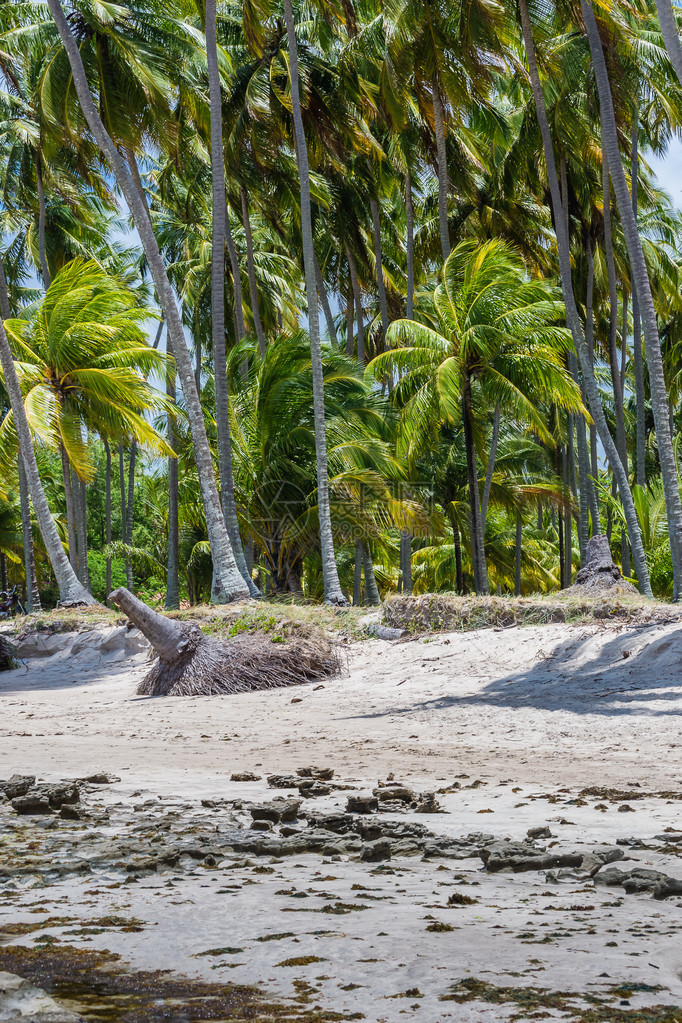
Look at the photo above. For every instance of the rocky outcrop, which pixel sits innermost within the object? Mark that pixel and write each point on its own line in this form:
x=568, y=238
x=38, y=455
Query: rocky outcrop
x=20, y=1001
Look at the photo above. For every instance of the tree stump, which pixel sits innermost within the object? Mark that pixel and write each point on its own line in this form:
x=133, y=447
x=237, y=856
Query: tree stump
x=599, y=572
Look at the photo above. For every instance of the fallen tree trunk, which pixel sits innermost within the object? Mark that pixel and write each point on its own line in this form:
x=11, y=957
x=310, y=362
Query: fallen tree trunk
x=190, y=663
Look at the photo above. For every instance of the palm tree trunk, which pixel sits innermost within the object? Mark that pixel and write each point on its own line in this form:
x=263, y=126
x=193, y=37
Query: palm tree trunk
x=198, y=361
x=669, y=31
x=332, y=588
x=172, y=602
x=349, y=323
x=70, y=589
x=457, y=542
x=253, y=286
x=406, y=560
x=517, y=555
x=107, y=514
x=640, y=441
x=409, y=247
x=583, y=469
x=439, y=130
x=378, y=257
x=42, y=217
x=613, y=314
x=352, y=269
x=371, y=589
x=568, y=520
x=80, y=518
x=589, y=341
x=3, y=573
x=32, y=591
x=322, y=293
x=70, y=514
x=130, y=511
x=640, y=277
x=219, y=229
x=477, y=548
x=227, y=581
x=572, y=317
x=491, y=464
x=562, y=554
x=357, y=574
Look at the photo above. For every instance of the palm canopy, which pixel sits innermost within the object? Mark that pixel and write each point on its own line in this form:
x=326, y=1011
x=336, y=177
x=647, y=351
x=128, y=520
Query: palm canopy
x=83, y=360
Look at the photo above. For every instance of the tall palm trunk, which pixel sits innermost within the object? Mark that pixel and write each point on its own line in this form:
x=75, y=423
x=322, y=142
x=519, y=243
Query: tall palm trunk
x=130, y=511
x=457, y=542
x=70, y=511
x=409, y=247
x=349, y=322
x=124, y=505
x=70, y=588
x=406, y=560
x=357, y=297
x=589, y=342
x=517, y=554
x=441, y=155
x=640, y=277
x=492, y=455
x=477, y=547
x=640, y=441
x=322, y=293
x=80, y=517
x=371, y=589
x=613, y=313
x=379, y=260
x=172, y=571
x=107, y=514
x=227, y=581
x=42, y=218
x=253, y=286
x=357, y=574
x=219, y=228
x=572, y=317
x=332, y=588
x=568, y=523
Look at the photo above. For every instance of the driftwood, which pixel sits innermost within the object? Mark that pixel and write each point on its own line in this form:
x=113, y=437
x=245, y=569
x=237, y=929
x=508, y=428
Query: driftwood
x=190, y=663
x=599, y=571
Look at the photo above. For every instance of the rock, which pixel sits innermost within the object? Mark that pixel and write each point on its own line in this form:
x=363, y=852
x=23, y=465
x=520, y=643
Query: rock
x=363, y=802
x=21, y=1001
x=101, y=779
x=599, y=571
x=261, y=825
x=311, y=787
x=69, y=813
x=386, y=632
x=542, y=832
x=374, y=852
x=8, y=655
x=428, y=803
x=17, y=785
x=66, y=792
x=321, y=773
x=519, y=856
x=661, y=885
x=401, y=793
x=283, y=781
x=33, y=803
x=278, y=811
x=245, y=776
x=593, y=862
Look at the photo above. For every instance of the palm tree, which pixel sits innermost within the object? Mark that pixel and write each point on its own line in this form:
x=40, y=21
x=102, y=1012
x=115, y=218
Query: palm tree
x=494, y=340
x=228, y=583
x=332, y=586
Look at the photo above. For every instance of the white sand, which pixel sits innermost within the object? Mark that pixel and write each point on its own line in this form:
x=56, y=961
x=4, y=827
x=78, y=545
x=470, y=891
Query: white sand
x=536, y=710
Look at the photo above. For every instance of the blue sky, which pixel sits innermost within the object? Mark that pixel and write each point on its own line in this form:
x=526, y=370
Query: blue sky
x=669, y=171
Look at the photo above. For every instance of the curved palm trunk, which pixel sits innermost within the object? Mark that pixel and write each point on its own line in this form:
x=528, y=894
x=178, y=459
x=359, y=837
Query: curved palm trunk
x=42, y=218
x=572, y=317
x=227, y=581
x=409, y=247
x=439, y=130
x=70, y=588
x=172, y=571
x=322, y=292
x=218, y=237
x=332, y=588
x=107, y=514
x=491, y=464
x=671, y=38
x=640, y=276
x=378, y=256
x=253, y=286
x=477, y=547
x=640, y=442
x=371, y=589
